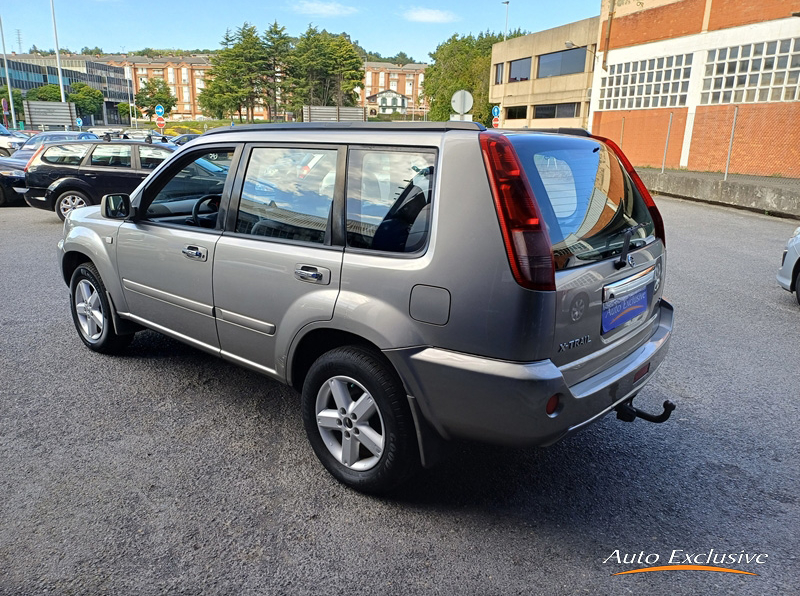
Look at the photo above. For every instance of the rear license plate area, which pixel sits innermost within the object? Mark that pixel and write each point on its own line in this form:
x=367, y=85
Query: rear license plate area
x=620, y=310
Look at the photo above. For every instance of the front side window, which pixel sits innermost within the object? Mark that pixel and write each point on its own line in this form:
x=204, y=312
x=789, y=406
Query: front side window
x=519, y=70
x=150, y=157
x=288, y=194
x=191, y=195
x=389, y=199
x=113, y=156
x=65, y=155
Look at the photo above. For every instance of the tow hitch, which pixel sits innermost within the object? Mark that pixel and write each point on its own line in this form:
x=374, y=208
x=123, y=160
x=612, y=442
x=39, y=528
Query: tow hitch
x=628, y=413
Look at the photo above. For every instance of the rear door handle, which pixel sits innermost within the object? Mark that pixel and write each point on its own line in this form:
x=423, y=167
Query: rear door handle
x=196, y=253
x=91, y=175
x=312, y=274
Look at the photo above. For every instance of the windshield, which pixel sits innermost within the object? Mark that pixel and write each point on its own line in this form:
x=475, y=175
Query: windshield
x=4, y=130
x=587, y=199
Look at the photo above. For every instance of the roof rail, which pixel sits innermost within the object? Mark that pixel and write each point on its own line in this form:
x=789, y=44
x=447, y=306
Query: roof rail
x=300, y=126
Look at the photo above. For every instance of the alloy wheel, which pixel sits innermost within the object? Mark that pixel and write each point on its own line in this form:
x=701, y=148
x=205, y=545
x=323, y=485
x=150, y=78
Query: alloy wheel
x=69, y=202
x=350, y=423
x=89, y=309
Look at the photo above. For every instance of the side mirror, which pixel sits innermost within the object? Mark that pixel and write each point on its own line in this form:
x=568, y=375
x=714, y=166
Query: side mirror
x=117, y=206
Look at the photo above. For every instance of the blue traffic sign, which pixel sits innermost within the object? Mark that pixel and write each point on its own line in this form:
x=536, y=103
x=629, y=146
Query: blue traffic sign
x=159, y=110
x=496, y=111
x=78, y=122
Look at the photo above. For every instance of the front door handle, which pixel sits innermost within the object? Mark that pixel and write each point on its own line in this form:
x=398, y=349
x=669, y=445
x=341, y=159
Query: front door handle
x=312, y=274
x=196, y=253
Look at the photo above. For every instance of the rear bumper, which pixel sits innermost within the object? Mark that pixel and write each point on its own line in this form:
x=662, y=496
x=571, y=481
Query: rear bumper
x=39, y=198
x=467, y=396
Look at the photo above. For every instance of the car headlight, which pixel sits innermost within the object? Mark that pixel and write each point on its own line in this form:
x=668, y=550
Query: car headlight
x=12, y=173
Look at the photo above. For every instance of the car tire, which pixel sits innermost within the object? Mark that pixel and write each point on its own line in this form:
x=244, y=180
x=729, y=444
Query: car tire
x=91, y=312
x=358, y=420
x=69, y=200
x=4, y=153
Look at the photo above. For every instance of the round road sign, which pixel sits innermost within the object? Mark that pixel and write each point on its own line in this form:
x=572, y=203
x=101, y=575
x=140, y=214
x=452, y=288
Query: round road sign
x=496, y=122
x=461, y=101
x=160, y=122
x=78, y=122
x=159, y=110
x=496, y=111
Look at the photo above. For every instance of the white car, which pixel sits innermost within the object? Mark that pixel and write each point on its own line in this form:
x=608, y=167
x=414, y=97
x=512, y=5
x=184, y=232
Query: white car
x=789, y=273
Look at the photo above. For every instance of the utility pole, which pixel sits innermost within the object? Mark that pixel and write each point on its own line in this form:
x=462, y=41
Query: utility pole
x=505, y=33
x=58, y=53
x=19, y=40
x=8, y=77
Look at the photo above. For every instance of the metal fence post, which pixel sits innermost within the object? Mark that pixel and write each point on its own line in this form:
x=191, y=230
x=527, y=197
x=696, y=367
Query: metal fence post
x=622, y=133
x=666, y=145
x=730, y=144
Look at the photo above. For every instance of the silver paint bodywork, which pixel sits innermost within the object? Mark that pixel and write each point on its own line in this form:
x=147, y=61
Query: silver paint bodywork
x=478, y=354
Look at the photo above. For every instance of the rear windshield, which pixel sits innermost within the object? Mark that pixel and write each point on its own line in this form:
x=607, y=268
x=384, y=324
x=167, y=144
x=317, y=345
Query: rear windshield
x=587, y=199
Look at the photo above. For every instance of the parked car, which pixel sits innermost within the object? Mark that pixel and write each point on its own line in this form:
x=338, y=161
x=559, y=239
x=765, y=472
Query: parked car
x=9, y=141
x=11, y=179
x=406, y=279
x=29, y=147
x=183, y=139
x=65, y=176
x=789, y=273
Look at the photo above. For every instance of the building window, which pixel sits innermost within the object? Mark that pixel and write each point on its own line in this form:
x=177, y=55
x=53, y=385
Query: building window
x=186, y=94
x=184, y=75
x=557, y=110
x=759, y=72
x=498, y=73
x=519, y=70
x=171, y=75
x=516, y=112
x=562, y=63
x=393, y=85
x=653, y=83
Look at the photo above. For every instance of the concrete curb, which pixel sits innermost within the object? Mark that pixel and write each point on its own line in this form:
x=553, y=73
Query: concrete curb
x=772, y=200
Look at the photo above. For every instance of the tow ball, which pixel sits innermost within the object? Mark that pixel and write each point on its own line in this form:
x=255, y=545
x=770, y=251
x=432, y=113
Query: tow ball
x=628, y=413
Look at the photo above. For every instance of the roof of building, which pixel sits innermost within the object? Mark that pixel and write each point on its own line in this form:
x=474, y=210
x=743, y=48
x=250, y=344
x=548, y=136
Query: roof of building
x=104, y=58
x=387, y=92
x=390, y=66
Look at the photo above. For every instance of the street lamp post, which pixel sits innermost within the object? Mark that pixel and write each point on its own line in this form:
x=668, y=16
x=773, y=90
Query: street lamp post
x=8, y=77
x=505, y=32
x=58, y=53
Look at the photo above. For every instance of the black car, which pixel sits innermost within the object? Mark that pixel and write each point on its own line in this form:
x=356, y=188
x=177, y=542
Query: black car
x=183, y=139
x=12, y=177
x=64, y=176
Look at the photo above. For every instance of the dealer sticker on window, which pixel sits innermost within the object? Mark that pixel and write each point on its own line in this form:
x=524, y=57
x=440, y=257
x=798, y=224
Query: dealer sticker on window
x=621, y=310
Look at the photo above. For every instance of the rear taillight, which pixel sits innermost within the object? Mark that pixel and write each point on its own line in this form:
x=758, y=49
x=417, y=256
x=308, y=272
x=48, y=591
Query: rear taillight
x=651, y=205
x=527, y=242
x=34, y=156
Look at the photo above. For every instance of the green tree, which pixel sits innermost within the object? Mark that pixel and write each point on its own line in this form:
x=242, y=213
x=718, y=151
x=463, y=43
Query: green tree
x=88, y=101
x=154, y=92
x=92, y=51
x=462, y=62
x=278, y=46
x=125, y=112
x=19, y=110
x=44, y=93
x=324, y=69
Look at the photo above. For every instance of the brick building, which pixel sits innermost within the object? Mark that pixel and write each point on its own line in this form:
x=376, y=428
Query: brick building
x=684, y=81
x=406, y=80
x=185, y=76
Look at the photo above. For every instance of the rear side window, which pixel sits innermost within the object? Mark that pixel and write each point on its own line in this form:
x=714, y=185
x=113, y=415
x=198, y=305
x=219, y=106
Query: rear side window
x=113, y=156
x=389, y=199
x=288, y=194
x=150, y=157
x=65, y=155
x=586, y=197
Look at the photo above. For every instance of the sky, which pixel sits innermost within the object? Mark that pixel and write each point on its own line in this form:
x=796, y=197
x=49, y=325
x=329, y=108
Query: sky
x=413, y=27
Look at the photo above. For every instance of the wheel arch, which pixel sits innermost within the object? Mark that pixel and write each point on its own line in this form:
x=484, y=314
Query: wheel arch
x=62, y=185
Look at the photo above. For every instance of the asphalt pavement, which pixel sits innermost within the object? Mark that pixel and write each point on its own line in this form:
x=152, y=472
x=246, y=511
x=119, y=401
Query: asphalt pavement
x=167, y=471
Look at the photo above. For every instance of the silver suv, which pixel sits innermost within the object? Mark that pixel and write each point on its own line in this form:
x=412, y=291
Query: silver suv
x=415, y=283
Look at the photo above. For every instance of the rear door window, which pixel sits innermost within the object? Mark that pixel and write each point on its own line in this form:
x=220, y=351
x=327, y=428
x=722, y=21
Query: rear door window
x=288, y=194
x=113, y=156
x=586, y=197
x=389, y=199
x=65, y=155
x=150, y=157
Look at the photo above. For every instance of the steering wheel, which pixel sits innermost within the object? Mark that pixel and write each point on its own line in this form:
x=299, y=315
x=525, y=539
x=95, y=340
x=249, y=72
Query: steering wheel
x=200, y=201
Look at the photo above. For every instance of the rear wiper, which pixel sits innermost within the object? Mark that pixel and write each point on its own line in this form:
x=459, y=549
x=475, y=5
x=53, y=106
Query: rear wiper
x=626, y=244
